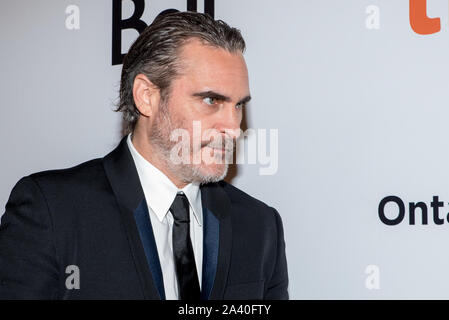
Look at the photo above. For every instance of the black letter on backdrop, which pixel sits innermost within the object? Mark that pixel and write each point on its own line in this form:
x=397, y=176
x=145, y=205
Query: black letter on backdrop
x=209, y=6
x=412, y=208
x=436, y=204
x=118, y=25
x=401, y=207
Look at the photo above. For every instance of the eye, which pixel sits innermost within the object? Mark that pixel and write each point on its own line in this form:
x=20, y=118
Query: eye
x=210, y=101
x=240, y=105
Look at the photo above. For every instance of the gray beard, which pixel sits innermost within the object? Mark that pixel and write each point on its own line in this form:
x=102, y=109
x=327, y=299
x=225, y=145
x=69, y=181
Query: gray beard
x=160, y=138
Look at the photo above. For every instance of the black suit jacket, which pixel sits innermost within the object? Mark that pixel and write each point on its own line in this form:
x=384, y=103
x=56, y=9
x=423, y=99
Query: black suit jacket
x=94, y=216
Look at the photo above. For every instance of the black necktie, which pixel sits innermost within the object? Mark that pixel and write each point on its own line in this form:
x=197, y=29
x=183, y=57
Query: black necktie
x=188, y=285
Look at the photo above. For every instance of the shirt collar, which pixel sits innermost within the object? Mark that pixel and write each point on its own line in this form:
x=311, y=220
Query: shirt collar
x=160, y=191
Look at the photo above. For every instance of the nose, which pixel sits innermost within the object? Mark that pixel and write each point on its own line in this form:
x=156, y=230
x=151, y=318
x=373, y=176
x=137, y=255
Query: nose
x=229, y=121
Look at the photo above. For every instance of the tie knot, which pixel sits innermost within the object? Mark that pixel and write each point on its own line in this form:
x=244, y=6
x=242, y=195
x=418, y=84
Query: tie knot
x=180, y=208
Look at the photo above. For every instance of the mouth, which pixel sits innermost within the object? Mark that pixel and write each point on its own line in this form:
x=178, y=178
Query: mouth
x=220, y=150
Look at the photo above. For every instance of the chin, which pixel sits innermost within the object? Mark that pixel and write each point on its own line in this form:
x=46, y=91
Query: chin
x=211, y=173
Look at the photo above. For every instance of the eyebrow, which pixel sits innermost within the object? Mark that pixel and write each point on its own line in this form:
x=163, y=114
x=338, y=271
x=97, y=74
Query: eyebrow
x=218, y=96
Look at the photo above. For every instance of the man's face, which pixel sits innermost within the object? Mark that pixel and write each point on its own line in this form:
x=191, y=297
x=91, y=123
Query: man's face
x=207, y=98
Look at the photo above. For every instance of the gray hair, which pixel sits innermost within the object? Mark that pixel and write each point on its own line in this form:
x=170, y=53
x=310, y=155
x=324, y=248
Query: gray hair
x=155, y=54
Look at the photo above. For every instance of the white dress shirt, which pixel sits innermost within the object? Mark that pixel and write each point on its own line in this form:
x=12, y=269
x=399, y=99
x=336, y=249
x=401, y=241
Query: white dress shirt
x=160, y=193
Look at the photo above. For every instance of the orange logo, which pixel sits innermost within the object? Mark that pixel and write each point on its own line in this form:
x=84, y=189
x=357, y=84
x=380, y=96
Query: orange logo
x=419, y=20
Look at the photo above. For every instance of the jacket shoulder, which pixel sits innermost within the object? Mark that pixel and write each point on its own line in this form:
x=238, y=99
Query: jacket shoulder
x=239, y=197
x=86, y=173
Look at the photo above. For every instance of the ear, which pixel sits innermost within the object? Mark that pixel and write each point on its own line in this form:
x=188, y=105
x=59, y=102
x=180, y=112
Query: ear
x=146, y=95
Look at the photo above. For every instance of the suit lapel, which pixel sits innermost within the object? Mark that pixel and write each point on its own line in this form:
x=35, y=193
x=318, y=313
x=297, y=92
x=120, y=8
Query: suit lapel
x=211, y=233
x=217, y=242
x=123, y=177
x=142, y=218
x=122, y=174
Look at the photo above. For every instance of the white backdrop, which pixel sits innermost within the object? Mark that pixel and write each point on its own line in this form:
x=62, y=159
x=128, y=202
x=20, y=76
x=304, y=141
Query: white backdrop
x=360, y=101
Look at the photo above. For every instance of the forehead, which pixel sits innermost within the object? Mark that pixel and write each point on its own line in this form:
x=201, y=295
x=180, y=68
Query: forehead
x=207, y=67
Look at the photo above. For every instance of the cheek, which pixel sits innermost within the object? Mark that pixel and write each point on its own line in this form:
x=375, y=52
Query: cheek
x=187, y=113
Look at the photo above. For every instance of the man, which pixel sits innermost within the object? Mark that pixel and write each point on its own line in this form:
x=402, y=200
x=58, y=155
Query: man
x=153, y=219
